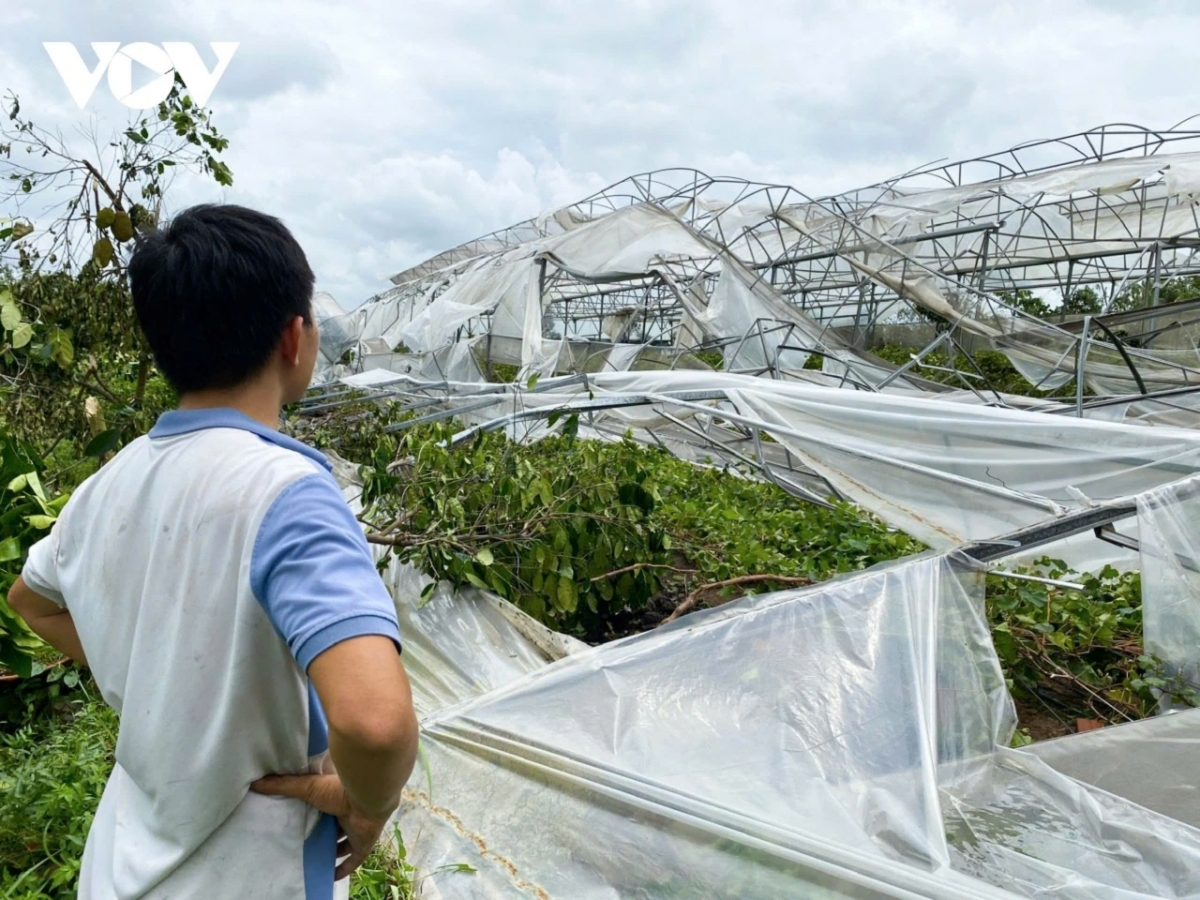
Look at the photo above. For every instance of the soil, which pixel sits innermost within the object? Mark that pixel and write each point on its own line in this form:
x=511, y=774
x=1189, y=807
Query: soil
x=1041, y=724
x=661, y=605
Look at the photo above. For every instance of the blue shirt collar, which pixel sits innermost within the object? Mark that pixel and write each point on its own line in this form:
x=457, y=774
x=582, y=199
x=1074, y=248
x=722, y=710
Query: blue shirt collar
x=182, y=421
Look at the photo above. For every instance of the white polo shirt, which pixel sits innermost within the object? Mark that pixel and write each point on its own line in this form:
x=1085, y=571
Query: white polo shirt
x=205, y=567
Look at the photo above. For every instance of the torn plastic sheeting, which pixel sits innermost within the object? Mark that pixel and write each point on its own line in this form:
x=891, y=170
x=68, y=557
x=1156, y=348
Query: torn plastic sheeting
x=1043, y=355
x=459, y=644
x=453, y=363
x=796, y=743
x=339, y=330
x=1039, y=833
x=1169, y=539
x=437, y=324
x=919, y=208
x=721, y=720
x=633, y=239
x=1153, y=762
x=912, y=460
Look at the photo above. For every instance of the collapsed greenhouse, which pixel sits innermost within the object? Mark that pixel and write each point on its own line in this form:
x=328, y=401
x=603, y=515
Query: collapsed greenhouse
x=851, y=738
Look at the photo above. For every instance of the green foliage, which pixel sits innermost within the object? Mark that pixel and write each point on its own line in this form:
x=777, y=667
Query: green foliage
x=112, y=196
x=504, y=372
x=534, y=523
x=1078, y=652
x=711, y=357
x=27, y=511
x=386, y=874
x=729, y=526
x=577, y=533
x=984, y=370
x=1088, y=301
x=30, y=339
x=1140, y=294
x=1026, y=301
x=351, y=429
x=65, y=304
x=52, y=773
x=1084, y=301
x=84, y=342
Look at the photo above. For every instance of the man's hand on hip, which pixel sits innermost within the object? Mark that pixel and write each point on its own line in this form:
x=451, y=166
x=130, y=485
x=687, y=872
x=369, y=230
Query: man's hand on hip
x=359, y=832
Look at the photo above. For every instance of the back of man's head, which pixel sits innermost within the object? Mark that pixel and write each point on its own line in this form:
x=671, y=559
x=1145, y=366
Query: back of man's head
x=214, y=290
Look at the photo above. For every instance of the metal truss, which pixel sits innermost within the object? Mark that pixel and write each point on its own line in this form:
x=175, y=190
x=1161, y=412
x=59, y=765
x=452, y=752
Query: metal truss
x=1112, y=210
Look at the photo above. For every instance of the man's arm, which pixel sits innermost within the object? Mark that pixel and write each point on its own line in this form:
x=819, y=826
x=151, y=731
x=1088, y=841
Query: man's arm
x=373, y=738
x=49, y=621
x=364, y=690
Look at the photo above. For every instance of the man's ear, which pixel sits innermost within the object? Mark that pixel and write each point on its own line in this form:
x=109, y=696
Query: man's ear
x=290, y=341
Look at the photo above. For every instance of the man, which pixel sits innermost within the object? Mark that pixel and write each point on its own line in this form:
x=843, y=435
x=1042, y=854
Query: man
x=223, y=595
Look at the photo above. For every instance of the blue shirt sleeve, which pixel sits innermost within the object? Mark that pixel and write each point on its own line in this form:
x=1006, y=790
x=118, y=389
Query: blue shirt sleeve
x=312, y=570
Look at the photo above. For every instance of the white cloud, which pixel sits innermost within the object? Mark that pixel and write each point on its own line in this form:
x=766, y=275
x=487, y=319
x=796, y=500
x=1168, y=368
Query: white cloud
x=384, y=133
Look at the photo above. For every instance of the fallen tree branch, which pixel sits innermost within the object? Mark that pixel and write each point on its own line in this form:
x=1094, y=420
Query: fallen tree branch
x=689, y=602
x=643, y=565
x=9, y=677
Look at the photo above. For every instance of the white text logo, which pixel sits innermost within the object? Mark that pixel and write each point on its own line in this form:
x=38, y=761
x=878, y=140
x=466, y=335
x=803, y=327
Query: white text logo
x=118, y=61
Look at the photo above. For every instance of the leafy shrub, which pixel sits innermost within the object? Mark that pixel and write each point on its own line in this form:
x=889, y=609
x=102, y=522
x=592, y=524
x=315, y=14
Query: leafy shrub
x=26, y=512
x=533, y=523
x=578, y=532
x=1078, y=652
x=52, y=773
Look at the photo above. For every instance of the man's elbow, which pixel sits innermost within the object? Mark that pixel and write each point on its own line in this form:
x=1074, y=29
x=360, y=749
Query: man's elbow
x=19, y=597
x=380, y=733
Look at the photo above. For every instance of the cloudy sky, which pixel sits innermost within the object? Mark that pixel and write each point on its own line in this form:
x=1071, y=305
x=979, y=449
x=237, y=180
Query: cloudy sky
x=385, y=132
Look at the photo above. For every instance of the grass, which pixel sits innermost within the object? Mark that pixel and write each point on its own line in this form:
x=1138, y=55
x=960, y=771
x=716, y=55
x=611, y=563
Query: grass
x=386, y=874
x=52, y=771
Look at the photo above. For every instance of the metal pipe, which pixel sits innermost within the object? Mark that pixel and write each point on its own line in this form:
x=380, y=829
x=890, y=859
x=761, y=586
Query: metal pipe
x=898, y=242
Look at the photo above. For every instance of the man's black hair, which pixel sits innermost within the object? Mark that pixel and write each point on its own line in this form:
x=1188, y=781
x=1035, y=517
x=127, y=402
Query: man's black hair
x=214, y=290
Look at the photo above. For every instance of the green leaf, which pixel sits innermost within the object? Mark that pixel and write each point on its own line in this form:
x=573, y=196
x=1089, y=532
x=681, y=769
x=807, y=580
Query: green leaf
x=40, y=522
x=62, y=351
x=18, y=483
x=536, y=607
x=22, y=335
x=633, y=494
x=35, y=484
x=477, y=581
x=568, y=598
x=14, y=658
x=426, y=594
x=532, y=382
x=221, y=173
x=485, y=557
x=10, y=315
x=10, y=548
x=105, y=442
